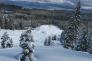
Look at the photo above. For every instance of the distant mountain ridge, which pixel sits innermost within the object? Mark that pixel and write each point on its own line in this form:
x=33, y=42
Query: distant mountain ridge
x=48, y=6
x=39, y=5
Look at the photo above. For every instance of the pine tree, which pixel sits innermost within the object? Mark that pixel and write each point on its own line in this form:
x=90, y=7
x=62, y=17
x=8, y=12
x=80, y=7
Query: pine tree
x=90, y=43
x=6, y=41
x=26, y=38
x=54, y=37
x=26, y=44
x=21, y=25
x=48, y=41
x=83, y=42
x=62, y=37
x=6, y=21
x=0, y=23
x=72, y=30
x=9, y=43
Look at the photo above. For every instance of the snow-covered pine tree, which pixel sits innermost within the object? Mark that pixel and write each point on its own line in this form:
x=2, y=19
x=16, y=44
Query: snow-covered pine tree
x=27, y=44
x=6, y=41
x=72, y=30
x=48, y=41
x=0, y=23
x=90, y=43
x=9, y=43
x=27, y=38
x=62, y=37
x=54, y=37
x=83, y=42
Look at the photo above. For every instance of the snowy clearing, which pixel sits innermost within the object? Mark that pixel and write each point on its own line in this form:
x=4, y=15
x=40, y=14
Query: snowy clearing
x=42, y=53
x=39, y=34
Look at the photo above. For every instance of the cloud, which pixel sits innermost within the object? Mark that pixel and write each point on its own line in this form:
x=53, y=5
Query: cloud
x=48, y=1
x=3, y=0
x=84, y=3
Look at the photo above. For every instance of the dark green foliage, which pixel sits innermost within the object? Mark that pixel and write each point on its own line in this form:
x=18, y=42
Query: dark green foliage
x=90, y=43
x=54, y=37
x=26, y=44
x=6, y=41
x=72, y=29
x=48, y=41
x=21, y=25
x=83, y=42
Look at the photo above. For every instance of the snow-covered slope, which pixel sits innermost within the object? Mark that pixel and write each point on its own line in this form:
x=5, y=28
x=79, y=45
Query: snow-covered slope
x=11, y=54
x=14, y=34
x=50, y=4
x=40, y=33
x=42, y=53
x=42, y=5
x=60, y=54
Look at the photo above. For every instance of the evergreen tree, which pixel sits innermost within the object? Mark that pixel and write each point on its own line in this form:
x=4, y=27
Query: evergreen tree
x=26, y=38
x=72, y=30
x=90, y=44
x=6, y=41
x=21, y=25
x=48, y=41
x=6, y=21
x=54, y=37
x=9, y=43
x=83, y=42
x=62, y=37
x=26, y=43
x=0, y=23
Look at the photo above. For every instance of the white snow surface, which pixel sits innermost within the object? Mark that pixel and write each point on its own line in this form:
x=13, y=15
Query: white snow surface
x=39, y=34
x=43, y=32
x=14, y=34
x=42, y=53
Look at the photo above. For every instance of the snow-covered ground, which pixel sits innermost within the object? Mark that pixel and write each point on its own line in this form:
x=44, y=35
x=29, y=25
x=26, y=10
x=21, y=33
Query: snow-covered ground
x=14, y=34
x=42, y=53
x=42, y=32
x=39, y=34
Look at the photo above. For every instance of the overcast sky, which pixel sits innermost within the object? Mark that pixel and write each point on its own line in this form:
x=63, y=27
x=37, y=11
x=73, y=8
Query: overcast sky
x=87, y=3
x=84, y=2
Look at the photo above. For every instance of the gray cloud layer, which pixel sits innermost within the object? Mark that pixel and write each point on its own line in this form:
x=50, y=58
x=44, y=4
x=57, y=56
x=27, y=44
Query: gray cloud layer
x=84, y=2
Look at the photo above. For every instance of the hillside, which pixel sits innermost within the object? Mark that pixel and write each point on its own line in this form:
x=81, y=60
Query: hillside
x=35, y=17
x=9, y=7
x=42, y=53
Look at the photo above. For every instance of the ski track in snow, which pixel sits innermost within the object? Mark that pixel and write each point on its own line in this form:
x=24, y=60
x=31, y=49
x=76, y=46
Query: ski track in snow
x=42, y=53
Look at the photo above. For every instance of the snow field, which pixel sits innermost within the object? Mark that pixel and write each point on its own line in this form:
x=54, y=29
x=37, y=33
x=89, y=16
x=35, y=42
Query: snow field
x=42, y=53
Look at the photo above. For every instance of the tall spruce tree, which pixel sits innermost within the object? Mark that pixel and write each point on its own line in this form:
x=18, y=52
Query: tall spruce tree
x=90, y=43
x=72, y=30
x=83, y=42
